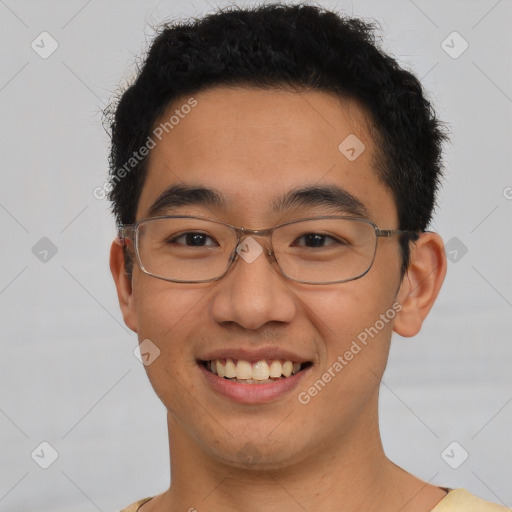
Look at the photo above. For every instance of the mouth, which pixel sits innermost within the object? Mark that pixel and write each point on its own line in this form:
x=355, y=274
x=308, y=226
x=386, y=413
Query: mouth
x=263, y=371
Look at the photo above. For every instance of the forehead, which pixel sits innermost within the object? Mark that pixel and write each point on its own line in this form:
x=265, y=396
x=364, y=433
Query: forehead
x=253, y=146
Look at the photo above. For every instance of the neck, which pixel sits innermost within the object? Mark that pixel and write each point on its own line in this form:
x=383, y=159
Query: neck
x=351, y=473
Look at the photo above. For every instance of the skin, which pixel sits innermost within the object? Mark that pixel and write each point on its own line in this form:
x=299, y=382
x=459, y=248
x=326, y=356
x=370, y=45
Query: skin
x=254, y=145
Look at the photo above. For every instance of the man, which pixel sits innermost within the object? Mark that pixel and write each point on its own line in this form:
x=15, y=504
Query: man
x=273, y=176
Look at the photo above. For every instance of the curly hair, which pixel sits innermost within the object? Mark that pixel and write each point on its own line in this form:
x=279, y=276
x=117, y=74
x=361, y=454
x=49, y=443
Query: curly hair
x=276, y=46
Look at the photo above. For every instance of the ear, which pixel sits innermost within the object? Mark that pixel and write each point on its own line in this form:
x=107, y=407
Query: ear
x=421, y=283
x=123, y=285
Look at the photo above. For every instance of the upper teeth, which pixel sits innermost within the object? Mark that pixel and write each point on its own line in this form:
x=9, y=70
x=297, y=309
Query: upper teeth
x=259, y=370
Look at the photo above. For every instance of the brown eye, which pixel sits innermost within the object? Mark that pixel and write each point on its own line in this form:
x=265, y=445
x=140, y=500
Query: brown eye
x=315, y=240
x=193, y=239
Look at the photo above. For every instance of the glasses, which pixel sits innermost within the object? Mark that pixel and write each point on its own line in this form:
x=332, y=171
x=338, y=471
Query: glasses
x=319, y=250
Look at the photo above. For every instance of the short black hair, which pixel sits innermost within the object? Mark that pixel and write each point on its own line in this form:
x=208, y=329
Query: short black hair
x=302, y=47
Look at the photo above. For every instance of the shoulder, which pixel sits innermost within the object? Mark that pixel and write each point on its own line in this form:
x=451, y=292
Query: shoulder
x=135, y=506
x=460, y=500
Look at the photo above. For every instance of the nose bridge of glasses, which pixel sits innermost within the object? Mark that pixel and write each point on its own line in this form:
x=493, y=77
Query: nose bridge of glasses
x=266, y=234
x=247, y=238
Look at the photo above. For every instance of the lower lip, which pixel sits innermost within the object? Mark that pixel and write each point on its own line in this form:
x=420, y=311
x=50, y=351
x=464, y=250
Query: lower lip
x=253, y=393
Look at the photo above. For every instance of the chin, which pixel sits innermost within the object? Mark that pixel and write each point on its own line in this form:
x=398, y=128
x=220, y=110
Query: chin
x=259, y=453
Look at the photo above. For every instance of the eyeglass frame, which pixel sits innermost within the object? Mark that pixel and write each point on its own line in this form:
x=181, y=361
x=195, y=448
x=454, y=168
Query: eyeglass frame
x=241, y=233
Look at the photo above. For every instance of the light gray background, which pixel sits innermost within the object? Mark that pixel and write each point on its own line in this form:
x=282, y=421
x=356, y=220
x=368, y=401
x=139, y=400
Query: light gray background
x=67, y=372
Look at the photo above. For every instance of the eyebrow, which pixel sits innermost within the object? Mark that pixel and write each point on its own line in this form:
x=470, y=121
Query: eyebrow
x=185, y=195
x=330, y=196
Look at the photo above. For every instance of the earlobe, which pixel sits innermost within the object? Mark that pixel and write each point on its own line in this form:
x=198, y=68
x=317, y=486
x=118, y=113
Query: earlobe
x=421, y=283
x=123, y=285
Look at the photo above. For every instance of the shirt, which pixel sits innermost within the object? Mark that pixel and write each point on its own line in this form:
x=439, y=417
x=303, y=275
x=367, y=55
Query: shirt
x=460, y=500
x=457, y=500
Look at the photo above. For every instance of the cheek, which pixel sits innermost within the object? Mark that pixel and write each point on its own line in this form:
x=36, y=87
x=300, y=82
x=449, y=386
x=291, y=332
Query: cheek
x=345, y=312
x=165, y=310
x=166, y=315
x=355, y=323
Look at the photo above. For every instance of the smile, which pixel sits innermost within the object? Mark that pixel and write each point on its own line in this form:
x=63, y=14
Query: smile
x=254, y=372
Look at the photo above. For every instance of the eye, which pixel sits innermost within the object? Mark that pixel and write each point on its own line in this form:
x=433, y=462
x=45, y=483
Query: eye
x=193, y=239
x=316, y=240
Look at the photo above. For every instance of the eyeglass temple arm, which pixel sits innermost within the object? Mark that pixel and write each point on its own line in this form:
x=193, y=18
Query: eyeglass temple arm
x=124, y=233
x=396, y=232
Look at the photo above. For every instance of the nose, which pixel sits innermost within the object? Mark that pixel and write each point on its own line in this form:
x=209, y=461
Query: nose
x=253, y=292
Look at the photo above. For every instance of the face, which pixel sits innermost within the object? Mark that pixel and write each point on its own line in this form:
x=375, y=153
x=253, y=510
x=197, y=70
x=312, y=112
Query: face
x=254, y=148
